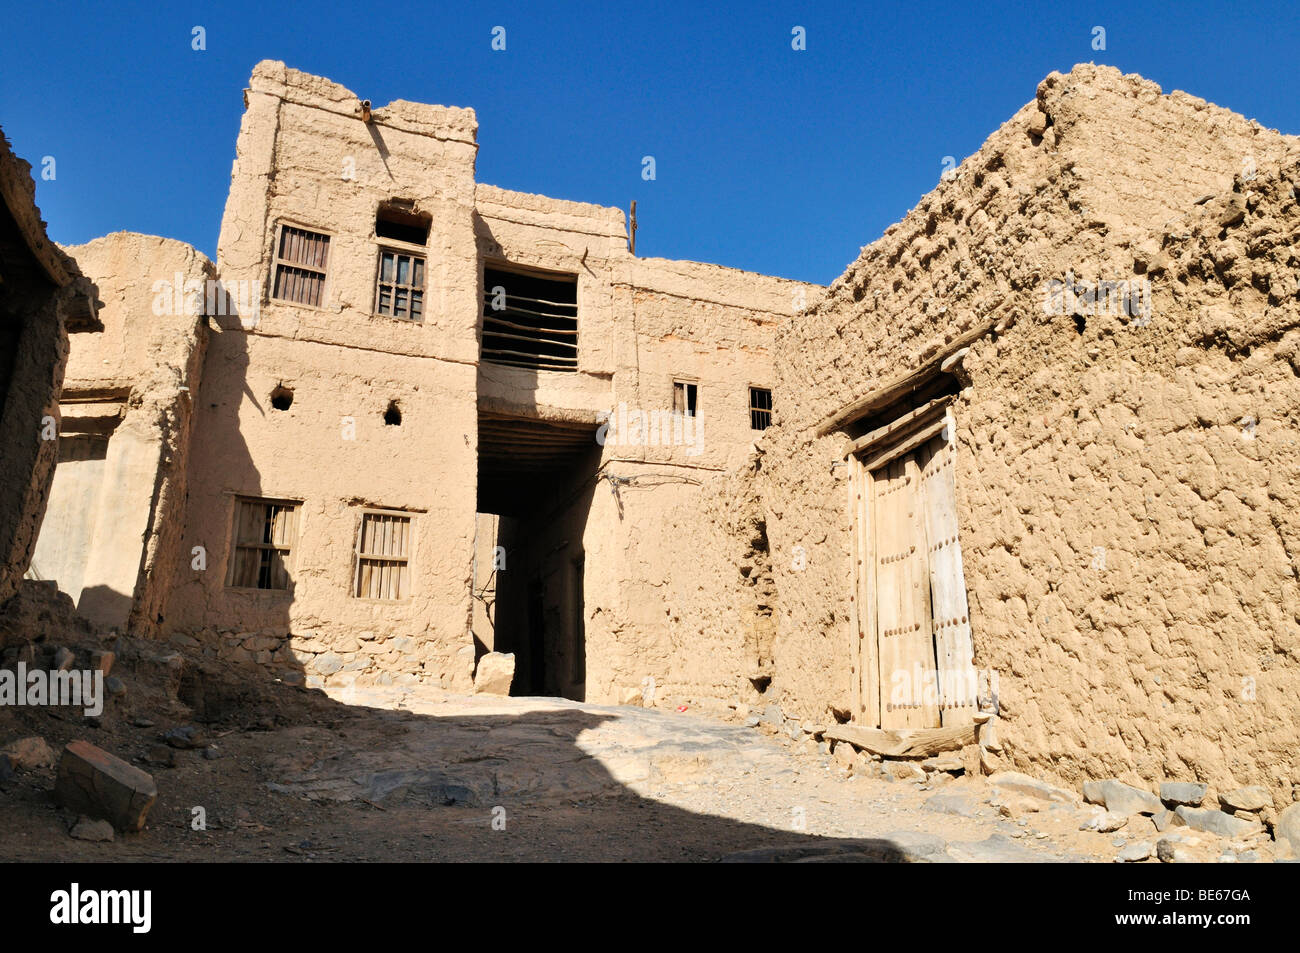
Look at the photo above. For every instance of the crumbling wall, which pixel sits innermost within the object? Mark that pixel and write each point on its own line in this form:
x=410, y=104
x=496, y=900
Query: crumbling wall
x=1124, y=487
x=154, y=293
x=715, y=596
x=691, y=609
x=41, y=291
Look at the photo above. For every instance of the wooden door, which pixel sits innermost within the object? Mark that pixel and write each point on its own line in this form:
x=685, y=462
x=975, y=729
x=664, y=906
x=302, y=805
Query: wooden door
x=954, y=651
x=912, y=648
x=904, y=636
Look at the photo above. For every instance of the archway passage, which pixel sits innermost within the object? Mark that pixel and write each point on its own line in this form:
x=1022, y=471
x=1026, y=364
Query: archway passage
x=535, y=484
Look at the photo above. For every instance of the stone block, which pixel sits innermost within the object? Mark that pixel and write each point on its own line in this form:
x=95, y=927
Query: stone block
x=95, y=783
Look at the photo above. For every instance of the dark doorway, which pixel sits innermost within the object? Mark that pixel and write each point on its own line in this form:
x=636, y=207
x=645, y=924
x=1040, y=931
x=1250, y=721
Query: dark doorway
x=536, y=674
x=538, y=476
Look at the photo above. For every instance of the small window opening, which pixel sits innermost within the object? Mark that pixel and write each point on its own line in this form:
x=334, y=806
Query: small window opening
x=399, y=286
x=282, y=398
x=265, y=533
x=393, y=415
x=760, y=408
x=401, y=223
x=685, y=396
x=1080, y=322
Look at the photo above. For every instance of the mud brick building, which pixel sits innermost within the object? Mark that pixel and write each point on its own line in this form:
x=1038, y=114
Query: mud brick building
x=1023, y=478
x=413, y=422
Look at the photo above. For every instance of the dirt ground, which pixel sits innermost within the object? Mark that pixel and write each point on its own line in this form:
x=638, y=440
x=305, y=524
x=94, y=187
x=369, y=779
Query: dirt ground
x=421, y=775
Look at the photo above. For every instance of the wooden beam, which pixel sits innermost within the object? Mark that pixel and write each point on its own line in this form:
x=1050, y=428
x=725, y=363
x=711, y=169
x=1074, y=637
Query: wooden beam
x=904, y=742
x=900, y=384
x=907, y=446
x=899, y=426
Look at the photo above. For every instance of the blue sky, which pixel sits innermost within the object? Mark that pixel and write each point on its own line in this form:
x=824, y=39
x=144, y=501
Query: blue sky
x=767, y=158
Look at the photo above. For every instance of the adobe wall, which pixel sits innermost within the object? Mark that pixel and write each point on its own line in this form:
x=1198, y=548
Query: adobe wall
x=687, y=615
x=656, y=575
x=42, y=292
x=112, y=536
x=1175, y=660
x=305, y=157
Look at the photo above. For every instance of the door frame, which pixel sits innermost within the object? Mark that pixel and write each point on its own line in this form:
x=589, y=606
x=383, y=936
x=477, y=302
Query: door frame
x=903, y=434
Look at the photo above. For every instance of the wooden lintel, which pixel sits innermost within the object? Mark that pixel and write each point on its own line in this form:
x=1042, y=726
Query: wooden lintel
x=880, y=458
x=902, y=383
x=896, y=429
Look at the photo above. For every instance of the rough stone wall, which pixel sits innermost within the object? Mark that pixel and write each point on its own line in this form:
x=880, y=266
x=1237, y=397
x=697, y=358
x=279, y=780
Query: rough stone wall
x=1166, y=446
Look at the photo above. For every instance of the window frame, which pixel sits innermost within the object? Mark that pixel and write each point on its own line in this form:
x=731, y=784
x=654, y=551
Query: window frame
x=397, y=212
x=277, y=262
x=390, y=246
x=690, y=386
x=526, y=361
x=358, y=556
x=769, y=409
x=290, y=563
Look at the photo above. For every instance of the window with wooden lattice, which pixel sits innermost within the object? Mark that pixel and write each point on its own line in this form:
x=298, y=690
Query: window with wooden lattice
x=265, y=533
x=301, y=260
x=399, y=289
x=530, y=320
x=384, y=544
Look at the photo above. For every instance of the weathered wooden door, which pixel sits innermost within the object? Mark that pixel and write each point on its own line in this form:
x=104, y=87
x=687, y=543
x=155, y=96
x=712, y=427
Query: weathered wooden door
x=913, y=657
x=954, y=653
x=903, y=635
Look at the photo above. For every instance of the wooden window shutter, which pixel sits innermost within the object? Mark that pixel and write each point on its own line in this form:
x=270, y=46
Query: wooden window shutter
x=265, y=534
x=383, y=557
x=301, y=259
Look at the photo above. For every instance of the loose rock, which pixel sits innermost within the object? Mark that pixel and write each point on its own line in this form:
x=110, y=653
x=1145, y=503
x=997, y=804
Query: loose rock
x=185, y=737
x=1105, y=822
x=495, y=673
x=905, y=771
x=1167, y=819
x=1287, y=828
x=1217, y=822
x=92, y=830
x=94, y=782
x=103, y=661
x=1182, y=792
x=1023, y=784
x=1120, y=797
x=944, y=762
x=29, y=754
x=1252, y=799
x=1134, y=853
x=161, y=755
